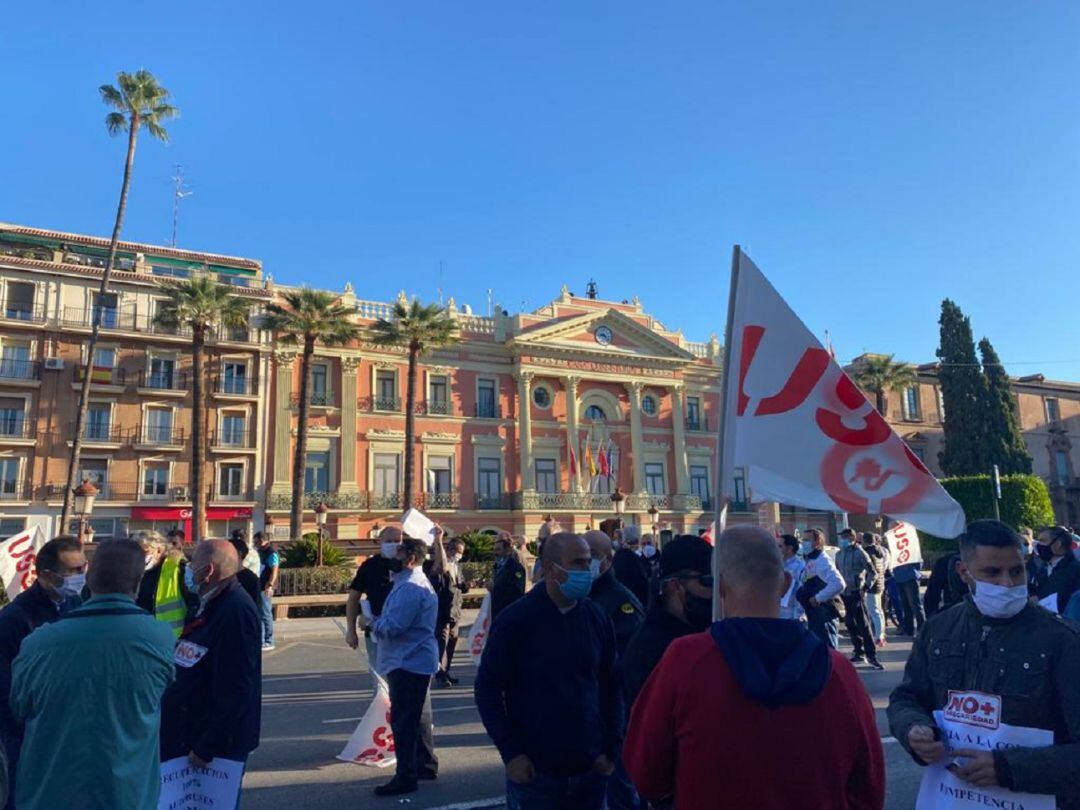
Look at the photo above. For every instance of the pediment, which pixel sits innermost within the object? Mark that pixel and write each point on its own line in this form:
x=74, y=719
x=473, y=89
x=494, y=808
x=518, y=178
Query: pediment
x=628, y=338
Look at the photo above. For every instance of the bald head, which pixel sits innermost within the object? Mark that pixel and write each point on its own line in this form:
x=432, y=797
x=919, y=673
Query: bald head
x=752, y=576
x=391, y=534
x=218, y=559
x=600, y=546
x=562, y=547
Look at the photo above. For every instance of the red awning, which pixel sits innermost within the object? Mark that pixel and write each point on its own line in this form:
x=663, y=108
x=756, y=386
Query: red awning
x=175, y=513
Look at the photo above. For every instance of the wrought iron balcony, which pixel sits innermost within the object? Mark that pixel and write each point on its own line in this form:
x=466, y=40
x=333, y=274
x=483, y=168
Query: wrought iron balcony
x=387, y=501
x=102, y=375
x=501, y=500
x=439, y=500
x=98, y=432
x=233, y=437
x=161, y=435
x=391, y=404
x=24, y=311
x=319, y=399
x=699, y=423
x=164, y=380
x=20, y=369
x=436, y=408
x=111, y=318
x=592, y=501
x=236, y=386
x=14, y=425
x=334, y=500
x=488, y=410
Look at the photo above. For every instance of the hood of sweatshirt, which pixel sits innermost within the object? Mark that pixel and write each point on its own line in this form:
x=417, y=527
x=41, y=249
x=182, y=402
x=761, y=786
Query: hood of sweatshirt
x=776, y=662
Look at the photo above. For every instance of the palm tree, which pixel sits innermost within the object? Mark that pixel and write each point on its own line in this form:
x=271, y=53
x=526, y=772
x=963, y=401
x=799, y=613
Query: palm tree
x=138, y=102
x=308, y=317
x=879, y=372
x=419, y=328
x=202, y=304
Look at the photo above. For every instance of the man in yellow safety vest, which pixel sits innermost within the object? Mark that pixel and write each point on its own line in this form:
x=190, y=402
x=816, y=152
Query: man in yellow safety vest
x=163, y=590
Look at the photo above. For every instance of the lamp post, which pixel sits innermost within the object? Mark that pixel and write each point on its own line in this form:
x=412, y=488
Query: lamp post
x=618, y=502
x=653, y=512
x=85, y=493
x=320, y=521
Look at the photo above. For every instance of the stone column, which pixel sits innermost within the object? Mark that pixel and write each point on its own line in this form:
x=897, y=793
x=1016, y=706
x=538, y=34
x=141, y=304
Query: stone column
x=347, y=482
x=678, y=423
x=633, y=390
x=283, y=447
x=572, y=428
x=524, y=426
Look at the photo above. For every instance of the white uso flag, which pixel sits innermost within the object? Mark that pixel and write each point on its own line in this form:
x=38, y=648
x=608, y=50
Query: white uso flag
x=373, y=741
x=479, y=632
x=903, y=542
x=803, y=431
x=17, y=557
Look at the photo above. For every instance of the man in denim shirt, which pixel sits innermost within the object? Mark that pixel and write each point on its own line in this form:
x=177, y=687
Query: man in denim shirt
x=408, y=656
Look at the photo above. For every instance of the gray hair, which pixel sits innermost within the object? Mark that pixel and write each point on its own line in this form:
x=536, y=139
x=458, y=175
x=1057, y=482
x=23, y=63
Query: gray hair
x=148, y=539
x=631, y=533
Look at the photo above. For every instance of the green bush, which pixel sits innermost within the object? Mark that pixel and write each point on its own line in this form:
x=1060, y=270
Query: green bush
x=475, y=574
x=304, y=553
x=479, y=547
x=1025, y=501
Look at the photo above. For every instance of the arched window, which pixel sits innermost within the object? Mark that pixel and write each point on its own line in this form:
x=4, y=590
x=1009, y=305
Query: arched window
x=595, y=413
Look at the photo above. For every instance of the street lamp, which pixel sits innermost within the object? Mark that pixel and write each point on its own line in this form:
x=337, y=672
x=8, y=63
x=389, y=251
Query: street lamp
x=653, y=512
x=618, y=502
x=85, y=493
x=320, y=521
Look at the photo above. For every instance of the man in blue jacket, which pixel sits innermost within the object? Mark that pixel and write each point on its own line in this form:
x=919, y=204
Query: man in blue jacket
x=213, y=707
x=547, y=688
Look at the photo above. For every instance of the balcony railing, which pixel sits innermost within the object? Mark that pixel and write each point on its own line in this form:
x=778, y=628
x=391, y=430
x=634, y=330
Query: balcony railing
x=38, y=254
x=236, y=386
x=20, y=370
x=439, y=500
x=435, y=408
x=164, y=380
x=230, y=494
x=319, y=399
x=11, y=490
x=161, y=435
x=697, y=423
x=97, y=432
x=233, y=437
x=23, y=311
x=234, y=334
x=14, y=427
x=500, y=500
x=110, y=318
x=334, y=500
x=389, y=404
x=488, y=410
x=102, y=375
x=386, y=500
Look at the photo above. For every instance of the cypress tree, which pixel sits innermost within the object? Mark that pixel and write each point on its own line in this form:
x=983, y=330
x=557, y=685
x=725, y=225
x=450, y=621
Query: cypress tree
x=1004, y=440
x=964, y=394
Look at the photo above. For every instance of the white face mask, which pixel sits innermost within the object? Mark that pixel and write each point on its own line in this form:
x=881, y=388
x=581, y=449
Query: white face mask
x=72, y=585
x=388, y=550
x=648, y=551
x=998, y=601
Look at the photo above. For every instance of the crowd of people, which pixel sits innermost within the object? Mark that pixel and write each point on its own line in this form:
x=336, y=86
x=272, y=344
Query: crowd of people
x=608, y=684
x=139, y=655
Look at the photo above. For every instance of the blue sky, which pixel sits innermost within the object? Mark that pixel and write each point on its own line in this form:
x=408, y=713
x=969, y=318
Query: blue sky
x=873, y=157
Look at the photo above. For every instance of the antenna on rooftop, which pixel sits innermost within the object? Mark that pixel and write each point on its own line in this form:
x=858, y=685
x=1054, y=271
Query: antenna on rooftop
x=590, y=290
x=179, y=192
x=489, y=302
x=440, y=281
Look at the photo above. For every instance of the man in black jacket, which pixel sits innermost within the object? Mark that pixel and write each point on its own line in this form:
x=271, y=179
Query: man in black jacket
x=994, y=662
x=1060, y=573
x=684, y=606
x=630, y=569
x=508, y=582
x=945, y=588
x=213, y=707
x=547, y=689
x=61, y=574
x=612, y=597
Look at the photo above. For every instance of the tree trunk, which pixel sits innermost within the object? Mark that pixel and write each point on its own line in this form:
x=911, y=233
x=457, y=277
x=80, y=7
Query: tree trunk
x=410, y=425
x=95, y=327
x=296, y=516
x=198, y=435
x=880, y=395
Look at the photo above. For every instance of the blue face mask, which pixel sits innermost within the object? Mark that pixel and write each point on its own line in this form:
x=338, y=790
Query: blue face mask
x=805, y=547
x=844, y=542
x=594, y=568
x=577, y=585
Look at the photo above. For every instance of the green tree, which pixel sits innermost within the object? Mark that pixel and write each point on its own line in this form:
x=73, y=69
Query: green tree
x=1004, y=440
x=138, y=102
x=879, y=373
x=964, y=394
x=419, y=328
x=308, y=318
x=201, y=304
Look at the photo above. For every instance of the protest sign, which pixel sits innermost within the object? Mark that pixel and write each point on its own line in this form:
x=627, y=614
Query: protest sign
x=186, y=787
x=17, y=557
x=479, y=632
x=972, y=720
x=803, y=431
x=373, y=741
x=903, y=542
x=419, y=526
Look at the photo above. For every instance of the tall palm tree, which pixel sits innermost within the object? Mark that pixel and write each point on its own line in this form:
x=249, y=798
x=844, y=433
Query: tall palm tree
x=419, y=328
x=138, y=102
x=879, y=373
x=308, y=317
x=202, y=304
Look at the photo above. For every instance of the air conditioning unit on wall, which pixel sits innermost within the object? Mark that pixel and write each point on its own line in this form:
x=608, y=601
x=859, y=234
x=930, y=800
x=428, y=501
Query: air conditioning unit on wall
x=54, y=363
x=179, y=493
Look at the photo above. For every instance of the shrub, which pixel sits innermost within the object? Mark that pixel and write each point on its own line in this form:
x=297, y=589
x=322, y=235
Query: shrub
x=303, y=553
x=475, y=574
x=1025, y=501
x=479, y=547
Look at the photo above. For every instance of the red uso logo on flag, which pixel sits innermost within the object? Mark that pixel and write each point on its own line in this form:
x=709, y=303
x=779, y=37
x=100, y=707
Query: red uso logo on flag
x=382, y=740
x=974, y=709
x=903, y=544
x=22, y=552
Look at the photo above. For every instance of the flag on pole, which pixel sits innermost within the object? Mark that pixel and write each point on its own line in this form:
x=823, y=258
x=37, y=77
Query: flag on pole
x=605, y=466
x=803, y=431
x=573, y=460
x=590, y=465
x=18, y=555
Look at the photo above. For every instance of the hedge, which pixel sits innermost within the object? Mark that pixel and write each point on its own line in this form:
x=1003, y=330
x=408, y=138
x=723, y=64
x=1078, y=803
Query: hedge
x=1025, y=501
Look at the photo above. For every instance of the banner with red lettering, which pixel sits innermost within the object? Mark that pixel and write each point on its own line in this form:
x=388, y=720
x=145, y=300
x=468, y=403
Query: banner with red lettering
x=802, y=430
x=17, y=557
x=373, y=741
x=903, y=542
x=479, y=632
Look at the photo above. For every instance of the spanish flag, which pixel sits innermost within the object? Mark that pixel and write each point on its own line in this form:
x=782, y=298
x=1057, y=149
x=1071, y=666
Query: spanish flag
x=590, y=465
x=605, y=466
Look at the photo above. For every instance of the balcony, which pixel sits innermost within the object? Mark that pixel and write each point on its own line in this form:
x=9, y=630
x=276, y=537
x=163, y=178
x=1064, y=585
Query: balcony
x=488, y=410
x=232, y=439
x=12, y=490
x=237, y=387
x=500, y=500
x=164, y=381
x=233, y=334
x=697, y=423
x=642, y=502
x=14, y=426
x=101, y=375
x=20, y=370
x=96, y=433
x=231, y=494
x=161, y=435
x=110, y=318
x=23, y=312
x=319, y=399
x=438, y=500
x=435, y=408
x=380, y=404
x=354, y=501
x=386, y=501
x=592, y=501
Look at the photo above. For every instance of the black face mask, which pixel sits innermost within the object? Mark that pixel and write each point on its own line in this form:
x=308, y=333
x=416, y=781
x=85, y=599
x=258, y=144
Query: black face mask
x=698, y=611
x=1045, y=551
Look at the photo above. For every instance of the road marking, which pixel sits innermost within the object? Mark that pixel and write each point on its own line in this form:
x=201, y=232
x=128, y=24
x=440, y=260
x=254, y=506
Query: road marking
x=494, y=801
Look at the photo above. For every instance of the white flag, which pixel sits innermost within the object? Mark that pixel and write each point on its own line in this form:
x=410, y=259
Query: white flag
x=373, y=741
x=804, y=432
x=479, y=632
x=18, y=555
x=903, y=542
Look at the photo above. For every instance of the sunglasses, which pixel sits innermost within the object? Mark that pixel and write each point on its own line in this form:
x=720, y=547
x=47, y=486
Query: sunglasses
x=704, y=579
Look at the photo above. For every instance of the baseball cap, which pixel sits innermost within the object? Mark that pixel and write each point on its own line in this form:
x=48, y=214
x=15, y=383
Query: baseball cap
x=687, y=552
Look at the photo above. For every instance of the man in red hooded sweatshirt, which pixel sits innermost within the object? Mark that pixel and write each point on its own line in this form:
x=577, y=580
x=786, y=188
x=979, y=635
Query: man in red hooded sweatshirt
x=706, y=728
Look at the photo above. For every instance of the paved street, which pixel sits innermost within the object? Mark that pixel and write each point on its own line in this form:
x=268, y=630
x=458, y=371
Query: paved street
x=313, y=697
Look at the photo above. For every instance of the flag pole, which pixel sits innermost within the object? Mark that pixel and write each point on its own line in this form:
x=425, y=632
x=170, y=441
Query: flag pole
x=719, y=500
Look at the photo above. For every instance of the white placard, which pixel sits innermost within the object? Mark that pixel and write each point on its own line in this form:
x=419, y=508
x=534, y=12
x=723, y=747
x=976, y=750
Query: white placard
x=366, y=612
x=416, y=524
x=373, y=741
x=1050, y=603
x=185, y=787
x=904, y=545
x=17, y=557
x=479, y=632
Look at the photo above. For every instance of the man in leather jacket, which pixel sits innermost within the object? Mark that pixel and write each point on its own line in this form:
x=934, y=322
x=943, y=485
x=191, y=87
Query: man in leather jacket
x=1021, y=660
